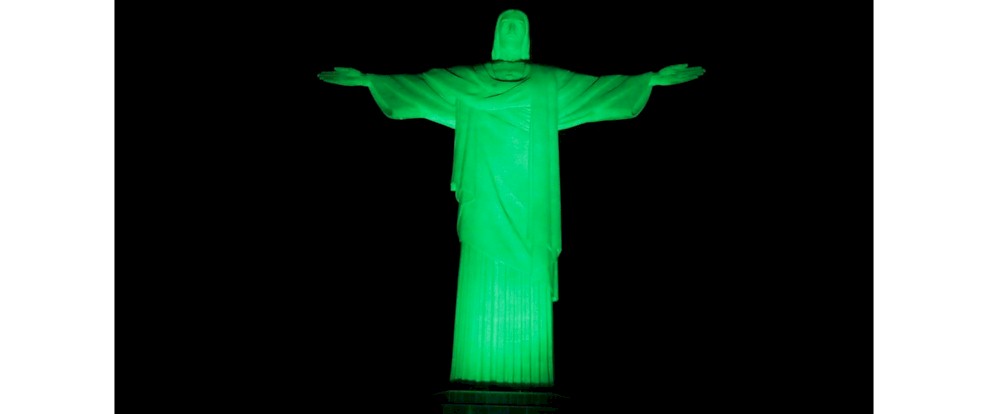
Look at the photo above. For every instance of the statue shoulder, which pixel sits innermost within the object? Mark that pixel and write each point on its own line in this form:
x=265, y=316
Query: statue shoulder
x=542, y=67
x=549, y=70
x=463, y=70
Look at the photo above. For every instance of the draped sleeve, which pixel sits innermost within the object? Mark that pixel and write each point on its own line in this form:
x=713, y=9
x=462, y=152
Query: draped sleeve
x=431, y=95
x=584, y=98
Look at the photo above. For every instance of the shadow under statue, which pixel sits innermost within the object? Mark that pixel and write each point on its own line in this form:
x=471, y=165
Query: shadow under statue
x=506, y=115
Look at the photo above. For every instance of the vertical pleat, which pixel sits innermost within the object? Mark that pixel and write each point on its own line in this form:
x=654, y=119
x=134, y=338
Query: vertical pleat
x=502, y=327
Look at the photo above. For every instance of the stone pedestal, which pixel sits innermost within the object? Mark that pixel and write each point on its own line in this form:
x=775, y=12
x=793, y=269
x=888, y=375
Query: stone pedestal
x=499, y=402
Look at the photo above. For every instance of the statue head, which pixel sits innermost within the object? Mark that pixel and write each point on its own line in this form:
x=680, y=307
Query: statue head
x=512, y=41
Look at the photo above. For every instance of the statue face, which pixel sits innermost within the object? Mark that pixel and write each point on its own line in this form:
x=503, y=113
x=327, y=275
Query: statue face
x=512, y=40
x=511, y=32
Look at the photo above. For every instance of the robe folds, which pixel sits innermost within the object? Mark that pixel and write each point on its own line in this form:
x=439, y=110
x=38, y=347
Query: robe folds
x=507, y=183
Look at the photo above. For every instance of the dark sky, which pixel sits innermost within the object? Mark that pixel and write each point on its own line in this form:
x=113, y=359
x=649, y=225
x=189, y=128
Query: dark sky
x=716, y=248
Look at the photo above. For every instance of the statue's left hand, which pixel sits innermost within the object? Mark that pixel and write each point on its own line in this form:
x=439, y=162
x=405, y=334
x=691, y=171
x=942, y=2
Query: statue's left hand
x=671, y=75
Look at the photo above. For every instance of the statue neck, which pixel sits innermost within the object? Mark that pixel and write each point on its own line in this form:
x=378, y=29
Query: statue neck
x=505, y=70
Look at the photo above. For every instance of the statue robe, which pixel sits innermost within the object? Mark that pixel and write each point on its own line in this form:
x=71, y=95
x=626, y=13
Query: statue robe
x=506, y=180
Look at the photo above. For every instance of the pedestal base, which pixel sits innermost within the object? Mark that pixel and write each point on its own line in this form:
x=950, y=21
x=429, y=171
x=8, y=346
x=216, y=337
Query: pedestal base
x=496, y=402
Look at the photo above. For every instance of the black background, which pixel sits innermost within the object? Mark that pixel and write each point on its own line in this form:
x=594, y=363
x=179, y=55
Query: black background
x=302, y=249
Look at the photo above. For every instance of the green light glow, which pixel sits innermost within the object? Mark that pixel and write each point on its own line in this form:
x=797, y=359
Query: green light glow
x=506, y=115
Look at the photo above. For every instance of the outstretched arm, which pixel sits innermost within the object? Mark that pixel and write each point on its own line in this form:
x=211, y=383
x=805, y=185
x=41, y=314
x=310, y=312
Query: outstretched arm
x=585, y=98
x=675, y=74
x=345, y=77
x=430, y=95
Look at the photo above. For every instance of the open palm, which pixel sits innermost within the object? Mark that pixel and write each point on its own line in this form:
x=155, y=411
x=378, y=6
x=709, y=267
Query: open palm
x=671, y=75
x=345, y=77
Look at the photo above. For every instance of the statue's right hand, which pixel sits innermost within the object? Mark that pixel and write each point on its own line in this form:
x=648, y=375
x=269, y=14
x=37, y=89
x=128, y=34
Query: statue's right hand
x=345, y=77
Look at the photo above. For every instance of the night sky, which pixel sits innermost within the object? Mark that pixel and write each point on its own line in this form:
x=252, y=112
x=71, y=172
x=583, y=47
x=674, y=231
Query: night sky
x=717, y=247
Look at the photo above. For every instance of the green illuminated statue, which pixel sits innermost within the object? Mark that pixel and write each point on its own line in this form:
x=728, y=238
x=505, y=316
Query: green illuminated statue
x=506, y=115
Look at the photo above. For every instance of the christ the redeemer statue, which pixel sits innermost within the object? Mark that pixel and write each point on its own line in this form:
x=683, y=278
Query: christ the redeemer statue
x=506, y=115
